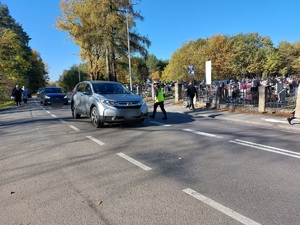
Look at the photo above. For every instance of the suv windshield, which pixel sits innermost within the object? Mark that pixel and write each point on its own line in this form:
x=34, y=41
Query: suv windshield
x=110, y=88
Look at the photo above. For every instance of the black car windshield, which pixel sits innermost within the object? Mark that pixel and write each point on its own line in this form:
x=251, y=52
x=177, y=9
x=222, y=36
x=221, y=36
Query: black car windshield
x=53, y=90
x=110, y=88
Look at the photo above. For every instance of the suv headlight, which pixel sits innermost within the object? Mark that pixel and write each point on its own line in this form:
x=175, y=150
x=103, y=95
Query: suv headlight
x=142, y=102
x=107, y=102
x=47, y=97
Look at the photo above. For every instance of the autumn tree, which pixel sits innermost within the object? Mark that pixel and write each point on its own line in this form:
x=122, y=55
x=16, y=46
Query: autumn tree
x=219, y=51
x=100, y=29
x=18, y=63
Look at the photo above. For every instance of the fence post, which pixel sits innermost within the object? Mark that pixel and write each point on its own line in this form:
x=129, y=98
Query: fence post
x=218, y=97
x=178, y=92
x=262, y=96
x=297, y=109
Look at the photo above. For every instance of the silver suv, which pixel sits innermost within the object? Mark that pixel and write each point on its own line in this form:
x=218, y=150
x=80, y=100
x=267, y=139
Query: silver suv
x=107, y=102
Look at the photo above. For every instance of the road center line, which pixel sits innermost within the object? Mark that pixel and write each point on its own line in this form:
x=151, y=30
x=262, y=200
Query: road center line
x=74, y=128
x=133, y=161
x=202, y=133
x=95, y=140
x=267, y=148
x=221, y=208
x=276, y=121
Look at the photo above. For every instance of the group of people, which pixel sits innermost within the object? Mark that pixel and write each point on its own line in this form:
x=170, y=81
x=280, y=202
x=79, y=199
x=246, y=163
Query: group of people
x=20, y=94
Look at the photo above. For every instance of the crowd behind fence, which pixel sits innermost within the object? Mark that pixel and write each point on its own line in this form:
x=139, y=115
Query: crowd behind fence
x=277, y=96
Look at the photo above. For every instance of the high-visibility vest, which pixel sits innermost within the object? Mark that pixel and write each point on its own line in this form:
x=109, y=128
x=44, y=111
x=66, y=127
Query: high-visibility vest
x=160, y=95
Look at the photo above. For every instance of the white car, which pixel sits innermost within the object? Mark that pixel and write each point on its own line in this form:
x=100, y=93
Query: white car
x=107, y=102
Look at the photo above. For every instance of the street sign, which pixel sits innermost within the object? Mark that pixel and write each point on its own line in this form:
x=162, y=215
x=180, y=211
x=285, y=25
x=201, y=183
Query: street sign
x=191, y=70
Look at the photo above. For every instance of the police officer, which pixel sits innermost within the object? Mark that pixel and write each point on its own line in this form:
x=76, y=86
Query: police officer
x=159, y=100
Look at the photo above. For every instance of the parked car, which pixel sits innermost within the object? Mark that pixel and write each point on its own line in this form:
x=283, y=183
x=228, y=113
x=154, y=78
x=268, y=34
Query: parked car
x=39, y=92
x=107, y=102
x=51, y=95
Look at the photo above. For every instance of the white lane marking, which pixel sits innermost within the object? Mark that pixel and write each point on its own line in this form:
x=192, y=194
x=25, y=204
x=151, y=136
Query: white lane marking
x=179, y=112
x=161, y=124
x=48, y=112
x=62, y=121
x=74, y=128
x=275, y=121
x=95, y=140
x=133, y=161
x=53, y=115
x=221, y=208
x=267, y=148
x=201, y=133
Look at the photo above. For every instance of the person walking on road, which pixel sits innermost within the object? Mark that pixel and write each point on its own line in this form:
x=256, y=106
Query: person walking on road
x=191, y=92
x=159, y=100
x=291, y=117
x=25, y=94
x=17, y=93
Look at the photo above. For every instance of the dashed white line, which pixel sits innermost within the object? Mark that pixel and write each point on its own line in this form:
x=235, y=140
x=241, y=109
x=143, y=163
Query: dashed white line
x=221, y=208
x=48, y=112
x=133, y=161
x=161, y=124
x=95, y=140
x=202, y=133
x=53, y=115
x=74, y=128
x=62, y=121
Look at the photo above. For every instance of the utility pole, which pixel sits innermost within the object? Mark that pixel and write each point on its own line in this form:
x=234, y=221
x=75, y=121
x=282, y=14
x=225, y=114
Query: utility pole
x=129, y=56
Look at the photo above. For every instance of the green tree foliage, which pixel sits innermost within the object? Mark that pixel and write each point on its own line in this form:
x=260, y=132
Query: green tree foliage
x=242, y=55
x=155, y=67
x=289, y=54
x=68, y=80
x=100, y=29
x=18, y=63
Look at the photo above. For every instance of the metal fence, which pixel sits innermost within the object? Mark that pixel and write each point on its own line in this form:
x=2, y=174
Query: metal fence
x=248, y=96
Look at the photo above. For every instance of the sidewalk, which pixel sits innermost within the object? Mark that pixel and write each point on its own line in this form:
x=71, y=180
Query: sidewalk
x=263, y=120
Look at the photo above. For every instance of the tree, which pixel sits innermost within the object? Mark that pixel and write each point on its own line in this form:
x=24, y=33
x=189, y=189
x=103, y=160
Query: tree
x=18, y=63
x=250, y=54
x=70, y=78
x=99, y=28
x=219, y=52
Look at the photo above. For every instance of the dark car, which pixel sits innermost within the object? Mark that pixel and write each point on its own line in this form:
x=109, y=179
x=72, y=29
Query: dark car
x=53, y=95
x=107, y=102
x=39, y=92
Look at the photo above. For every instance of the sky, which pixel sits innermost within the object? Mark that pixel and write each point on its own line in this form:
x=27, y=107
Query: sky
x=167, y=23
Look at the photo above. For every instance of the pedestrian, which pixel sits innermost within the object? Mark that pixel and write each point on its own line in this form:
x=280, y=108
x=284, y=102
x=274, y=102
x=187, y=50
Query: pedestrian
x=17, y=93
x=159, y=100
x=191, y=92
x=291, y=117
x=25, y=94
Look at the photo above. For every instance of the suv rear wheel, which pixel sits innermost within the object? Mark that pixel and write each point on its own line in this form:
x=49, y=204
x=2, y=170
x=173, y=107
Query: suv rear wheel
x=95, y=117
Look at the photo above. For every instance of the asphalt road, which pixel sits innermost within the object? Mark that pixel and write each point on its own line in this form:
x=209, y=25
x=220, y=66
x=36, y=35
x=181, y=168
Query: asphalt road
x=202, y=167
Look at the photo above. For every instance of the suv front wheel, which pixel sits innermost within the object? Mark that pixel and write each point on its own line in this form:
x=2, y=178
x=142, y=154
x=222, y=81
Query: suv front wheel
x=95, y=117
